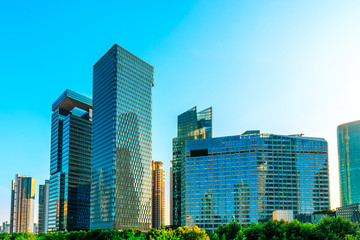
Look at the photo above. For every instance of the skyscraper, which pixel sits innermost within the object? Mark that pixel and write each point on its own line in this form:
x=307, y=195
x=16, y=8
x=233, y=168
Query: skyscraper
x=349, y=162
x=43, y=216
x=191, y=125
x=122, y=123
x=70, y=163
x=247, y=177
x=22, y=204
x=158, y=194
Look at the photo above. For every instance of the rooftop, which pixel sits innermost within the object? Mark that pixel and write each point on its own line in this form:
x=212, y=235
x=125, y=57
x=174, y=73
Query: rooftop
x=70, y=99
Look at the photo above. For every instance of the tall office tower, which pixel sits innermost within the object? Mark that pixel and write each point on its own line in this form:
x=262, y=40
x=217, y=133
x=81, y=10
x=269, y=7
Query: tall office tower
x=158, y=194
x=70, y=163
x=5, y=227
x=247, y=177
x=191, y=125
x=22, y=204
x=43, y=216
x=349, y=162
x=121, y=163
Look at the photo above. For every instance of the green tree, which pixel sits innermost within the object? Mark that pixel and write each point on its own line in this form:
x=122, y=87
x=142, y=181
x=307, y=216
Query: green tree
x=215, y=237
x=240, y=235
x=194, y=233
x=273, y=230
x=332, y=228
x=229, y=230
x=253, y=231
x=351, y=237
x=308, y=231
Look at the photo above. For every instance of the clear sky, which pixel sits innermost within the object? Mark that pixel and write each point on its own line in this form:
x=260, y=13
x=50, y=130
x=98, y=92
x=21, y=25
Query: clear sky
x=282, y=67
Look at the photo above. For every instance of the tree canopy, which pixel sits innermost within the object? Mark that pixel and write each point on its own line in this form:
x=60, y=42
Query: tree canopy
x=329, y=228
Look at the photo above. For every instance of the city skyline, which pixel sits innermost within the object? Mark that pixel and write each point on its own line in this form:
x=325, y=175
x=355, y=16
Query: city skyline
x=295, y=63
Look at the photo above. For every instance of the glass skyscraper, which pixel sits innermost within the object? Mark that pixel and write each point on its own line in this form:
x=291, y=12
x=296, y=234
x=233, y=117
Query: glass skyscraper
x=247, y=177
x=349, y=162
x=70, y=163
x=191, y=125
x=122, y=123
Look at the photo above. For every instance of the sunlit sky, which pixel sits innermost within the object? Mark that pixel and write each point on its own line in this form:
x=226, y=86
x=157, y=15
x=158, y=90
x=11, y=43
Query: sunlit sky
x=282, y=67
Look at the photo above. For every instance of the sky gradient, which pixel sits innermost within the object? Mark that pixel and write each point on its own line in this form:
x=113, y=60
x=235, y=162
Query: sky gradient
x=282, y=67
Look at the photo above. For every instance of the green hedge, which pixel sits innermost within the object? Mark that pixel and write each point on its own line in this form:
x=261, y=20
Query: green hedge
x=327, y=229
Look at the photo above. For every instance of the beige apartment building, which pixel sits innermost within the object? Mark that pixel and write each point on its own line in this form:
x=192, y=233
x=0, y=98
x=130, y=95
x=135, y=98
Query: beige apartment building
x=22, y=204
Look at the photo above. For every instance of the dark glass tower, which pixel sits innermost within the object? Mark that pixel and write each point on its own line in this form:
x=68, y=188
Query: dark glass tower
x=43, y=216
x=121, y=163
x=192, y=125
x=70, y=163
x=349, y=162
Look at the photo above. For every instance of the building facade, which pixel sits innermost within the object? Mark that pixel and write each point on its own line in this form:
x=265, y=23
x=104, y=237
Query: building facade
x=43, y=215
x=36, y=228
x=70, y=163
x=349, y=162
x=191, y=125
x=22, y=204
x=122, y=145
x=351, y=212
x=247, y=177
x=158, y=194
x=5, y=227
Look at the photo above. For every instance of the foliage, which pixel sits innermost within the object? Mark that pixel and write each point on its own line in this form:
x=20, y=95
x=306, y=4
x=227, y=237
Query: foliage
x=327, y=211
x=336, y=228
x=229, y=231
x=329, y=228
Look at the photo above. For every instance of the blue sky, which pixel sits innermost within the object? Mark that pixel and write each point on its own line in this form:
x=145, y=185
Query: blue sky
x=281, y=67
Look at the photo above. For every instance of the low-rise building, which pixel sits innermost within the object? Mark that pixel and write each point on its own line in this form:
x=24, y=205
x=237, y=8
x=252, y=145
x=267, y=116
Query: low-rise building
x=315, y=217
x=286, y=215
x=5, y=227
x=351, y=212
x=36, y=228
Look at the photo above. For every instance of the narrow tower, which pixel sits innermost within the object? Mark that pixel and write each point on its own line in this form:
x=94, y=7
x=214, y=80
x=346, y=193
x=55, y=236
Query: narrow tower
x=158, y=194
x=70, y=163
x=43, y=216
x=192, y=125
